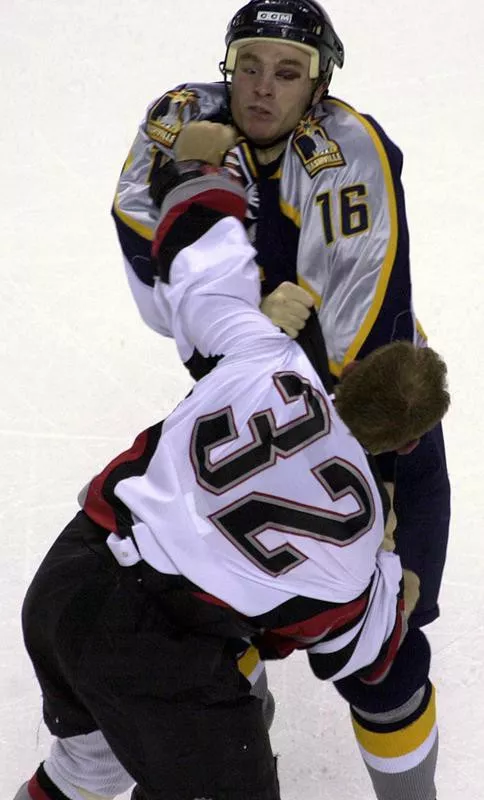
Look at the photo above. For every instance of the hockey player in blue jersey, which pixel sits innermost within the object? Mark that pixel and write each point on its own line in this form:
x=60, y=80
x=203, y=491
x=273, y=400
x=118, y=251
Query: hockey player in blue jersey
x=327, y=218
x=250, y=516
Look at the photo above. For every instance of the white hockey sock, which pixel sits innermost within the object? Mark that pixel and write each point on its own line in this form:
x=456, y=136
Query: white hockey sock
x=85, y=768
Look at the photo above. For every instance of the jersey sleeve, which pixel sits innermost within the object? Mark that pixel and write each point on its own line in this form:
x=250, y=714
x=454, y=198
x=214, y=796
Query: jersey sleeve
x=135, y=208
x=369, y=649
x=354, y=242
x=359, y=637
x=202, y=251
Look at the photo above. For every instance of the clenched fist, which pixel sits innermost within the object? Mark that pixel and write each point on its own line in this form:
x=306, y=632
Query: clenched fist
x=288, y=307
x=205, y=141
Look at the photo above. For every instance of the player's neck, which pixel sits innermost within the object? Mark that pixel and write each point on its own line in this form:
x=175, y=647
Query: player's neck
x=269, y=154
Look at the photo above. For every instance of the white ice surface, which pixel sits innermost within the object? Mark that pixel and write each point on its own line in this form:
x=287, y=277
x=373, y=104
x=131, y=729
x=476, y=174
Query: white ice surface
x=80, y=374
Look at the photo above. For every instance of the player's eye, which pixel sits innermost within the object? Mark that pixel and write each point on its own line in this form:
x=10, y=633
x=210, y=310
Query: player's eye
x=288, y=76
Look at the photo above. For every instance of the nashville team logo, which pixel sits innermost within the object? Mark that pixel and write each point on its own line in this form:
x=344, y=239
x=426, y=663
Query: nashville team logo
x=168, y=116
x=315, y=149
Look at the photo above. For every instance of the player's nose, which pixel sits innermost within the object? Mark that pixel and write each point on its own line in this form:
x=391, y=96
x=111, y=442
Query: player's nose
x=264, y=86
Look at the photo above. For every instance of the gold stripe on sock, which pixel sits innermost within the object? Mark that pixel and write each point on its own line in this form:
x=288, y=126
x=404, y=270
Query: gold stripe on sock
x=249, y=661
x=398, y=743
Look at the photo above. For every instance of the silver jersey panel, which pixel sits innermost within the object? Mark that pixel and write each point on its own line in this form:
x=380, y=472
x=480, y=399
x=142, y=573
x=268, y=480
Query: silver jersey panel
x=336, y=185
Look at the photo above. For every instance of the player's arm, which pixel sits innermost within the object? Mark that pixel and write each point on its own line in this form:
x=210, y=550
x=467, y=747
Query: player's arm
x=359, y=637
x=136, y=203
x=135, y=215
x=354, y=244
x=355, y=237
x=201, y=249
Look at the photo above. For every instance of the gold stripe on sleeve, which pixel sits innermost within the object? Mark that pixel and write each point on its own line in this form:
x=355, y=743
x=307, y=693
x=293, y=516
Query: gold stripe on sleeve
x=421, y=332
x=309, y=289
x=143, y=230
x=389, y=259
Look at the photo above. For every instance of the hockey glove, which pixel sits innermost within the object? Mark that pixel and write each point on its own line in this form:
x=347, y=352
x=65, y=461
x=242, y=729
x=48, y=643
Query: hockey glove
x=205, y=141
x=288, y=307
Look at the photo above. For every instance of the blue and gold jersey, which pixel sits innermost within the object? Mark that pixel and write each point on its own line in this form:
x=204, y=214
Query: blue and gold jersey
x=329, y=214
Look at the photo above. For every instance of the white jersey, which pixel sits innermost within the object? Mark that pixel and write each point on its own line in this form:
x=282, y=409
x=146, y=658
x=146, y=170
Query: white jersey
x=253, y=489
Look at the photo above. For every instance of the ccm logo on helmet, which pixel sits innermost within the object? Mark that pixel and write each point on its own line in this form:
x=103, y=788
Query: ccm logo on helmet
x=274, y=16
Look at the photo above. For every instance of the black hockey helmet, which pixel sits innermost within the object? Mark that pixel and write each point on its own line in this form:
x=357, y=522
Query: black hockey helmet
x=303, y=23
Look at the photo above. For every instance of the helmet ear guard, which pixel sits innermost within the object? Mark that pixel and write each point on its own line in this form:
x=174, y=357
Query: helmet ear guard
x=300, y=23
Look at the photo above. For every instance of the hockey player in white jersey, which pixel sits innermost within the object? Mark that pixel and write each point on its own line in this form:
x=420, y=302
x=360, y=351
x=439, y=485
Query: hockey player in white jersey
x=250, y=516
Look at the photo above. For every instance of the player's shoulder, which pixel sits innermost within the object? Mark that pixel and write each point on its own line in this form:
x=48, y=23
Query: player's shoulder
x=184, y=103
x=334, y=135
x=362, y=129
x=339, y=113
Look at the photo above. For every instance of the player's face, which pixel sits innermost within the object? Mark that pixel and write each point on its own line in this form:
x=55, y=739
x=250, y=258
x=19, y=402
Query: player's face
x=271, y=90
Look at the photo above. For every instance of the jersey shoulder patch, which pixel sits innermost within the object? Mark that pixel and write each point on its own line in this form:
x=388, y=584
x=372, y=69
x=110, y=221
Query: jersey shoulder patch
x=168, y=115
x=187, y=102
x=314, y=147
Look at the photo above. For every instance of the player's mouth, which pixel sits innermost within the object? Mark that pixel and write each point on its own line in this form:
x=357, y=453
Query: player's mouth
x=259, y=112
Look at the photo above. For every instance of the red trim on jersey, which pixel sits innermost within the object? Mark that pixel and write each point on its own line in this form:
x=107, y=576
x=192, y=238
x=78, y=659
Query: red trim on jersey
x=283, y=641
x=210, y=598
x=273, y=646
x=226, y=202
x=324, y=622
x=381, y=667
x=95, y=506
x=35, y=790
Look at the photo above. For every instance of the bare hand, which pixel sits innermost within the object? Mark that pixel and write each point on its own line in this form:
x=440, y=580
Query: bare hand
x=288, y=307
x=205, y=141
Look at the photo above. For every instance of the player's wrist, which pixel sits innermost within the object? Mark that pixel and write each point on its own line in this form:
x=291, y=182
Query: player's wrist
x=187, y=165
x=177, y=173
x=202, y=192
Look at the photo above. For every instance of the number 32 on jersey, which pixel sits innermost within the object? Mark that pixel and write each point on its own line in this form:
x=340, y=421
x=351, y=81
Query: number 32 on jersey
x=242, y=521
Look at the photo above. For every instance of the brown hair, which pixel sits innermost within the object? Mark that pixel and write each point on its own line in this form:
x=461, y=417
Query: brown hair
x=393, y=396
